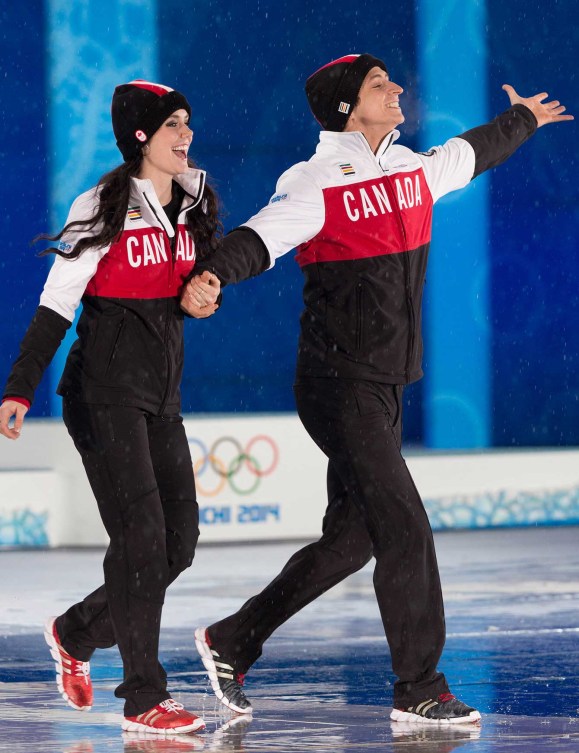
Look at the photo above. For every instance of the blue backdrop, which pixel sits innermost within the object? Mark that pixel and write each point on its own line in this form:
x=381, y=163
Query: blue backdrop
x=243, y=68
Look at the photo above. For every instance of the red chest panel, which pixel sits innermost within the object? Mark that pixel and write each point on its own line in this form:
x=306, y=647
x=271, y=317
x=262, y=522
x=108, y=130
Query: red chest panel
x=386, y=215
x=141, y=265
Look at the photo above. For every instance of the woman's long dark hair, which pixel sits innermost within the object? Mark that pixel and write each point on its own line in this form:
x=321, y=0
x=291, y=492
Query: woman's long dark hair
x=202, y=221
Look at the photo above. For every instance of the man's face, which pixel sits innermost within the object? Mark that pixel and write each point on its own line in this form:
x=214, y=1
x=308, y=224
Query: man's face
x=378, y=104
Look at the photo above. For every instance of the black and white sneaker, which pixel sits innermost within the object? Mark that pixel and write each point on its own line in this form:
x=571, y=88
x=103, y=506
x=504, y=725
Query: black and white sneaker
x=225, y=681
x=446, y=709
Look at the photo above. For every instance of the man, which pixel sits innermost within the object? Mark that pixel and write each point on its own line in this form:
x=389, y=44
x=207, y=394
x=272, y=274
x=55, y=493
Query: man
x=359, y=213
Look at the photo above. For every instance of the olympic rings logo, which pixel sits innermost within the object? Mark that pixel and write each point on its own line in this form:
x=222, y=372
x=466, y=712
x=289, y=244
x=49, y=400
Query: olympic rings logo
x=228, y=462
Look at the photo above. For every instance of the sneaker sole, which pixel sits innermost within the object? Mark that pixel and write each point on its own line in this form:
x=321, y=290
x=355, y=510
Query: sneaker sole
x=207, y=658
x=406, y=716
x=55, y=653
x=129, y=726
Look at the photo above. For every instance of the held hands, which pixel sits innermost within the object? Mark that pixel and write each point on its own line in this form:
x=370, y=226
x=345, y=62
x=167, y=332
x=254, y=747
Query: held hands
x=8, y=410
x=199, y=296
x=545, y=112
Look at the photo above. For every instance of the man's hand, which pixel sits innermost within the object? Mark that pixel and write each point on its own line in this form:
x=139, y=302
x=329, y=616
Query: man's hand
x=545, y=112
x=199, y=296
x=9, y=409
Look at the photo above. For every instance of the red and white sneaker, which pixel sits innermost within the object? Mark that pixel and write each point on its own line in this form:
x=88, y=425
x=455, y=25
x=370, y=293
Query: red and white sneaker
x=167, y=718
x=72, y=676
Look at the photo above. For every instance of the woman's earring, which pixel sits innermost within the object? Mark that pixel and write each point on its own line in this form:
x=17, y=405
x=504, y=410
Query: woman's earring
x=146, y=149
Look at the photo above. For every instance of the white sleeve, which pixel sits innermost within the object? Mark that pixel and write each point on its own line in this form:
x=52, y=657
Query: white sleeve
x=448, y=167
x=68, y=278
x=294, y=214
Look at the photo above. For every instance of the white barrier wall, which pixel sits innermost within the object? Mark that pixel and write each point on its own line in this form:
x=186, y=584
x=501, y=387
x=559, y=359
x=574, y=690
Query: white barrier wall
x=262, y=477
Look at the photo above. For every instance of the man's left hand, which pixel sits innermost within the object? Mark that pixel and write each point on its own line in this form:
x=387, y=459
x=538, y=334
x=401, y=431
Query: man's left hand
x=545, y=112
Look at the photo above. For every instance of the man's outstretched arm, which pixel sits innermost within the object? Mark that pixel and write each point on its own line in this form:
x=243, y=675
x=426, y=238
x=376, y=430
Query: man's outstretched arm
x=455, y=163
x=294, y=215
x=241, y=255
x=494, y=142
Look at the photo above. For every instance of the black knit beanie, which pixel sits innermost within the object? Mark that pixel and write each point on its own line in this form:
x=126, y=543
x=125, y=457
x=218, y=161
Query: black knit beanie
x=332, y=91
x=138, y=110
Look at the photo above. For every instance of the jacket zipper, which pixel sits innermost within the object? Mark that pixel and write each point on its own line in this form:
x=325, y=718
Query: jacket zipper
x=407, y=286
x=172, y=242
x=169, y=361
x=360, y=323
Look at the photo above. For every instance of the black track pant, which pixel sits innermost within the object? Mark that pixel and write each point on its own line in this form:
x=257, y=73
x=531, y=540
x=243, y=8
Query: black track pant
x=139, y=467
x=374, y=509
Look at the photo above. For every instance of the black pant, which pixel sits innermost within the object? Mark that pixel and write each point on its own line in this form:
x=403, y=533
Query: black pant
x=374, y=509
x=139, y=467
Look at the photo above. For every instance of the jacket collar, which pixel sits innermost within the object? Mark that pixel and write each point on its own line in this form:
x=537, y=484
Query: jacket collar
x=332, y=143
x=143, y=194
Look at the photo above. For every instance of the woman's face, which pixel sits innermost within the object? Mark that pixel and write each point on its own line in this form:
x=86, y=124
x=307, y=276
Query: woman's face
x=168, y=147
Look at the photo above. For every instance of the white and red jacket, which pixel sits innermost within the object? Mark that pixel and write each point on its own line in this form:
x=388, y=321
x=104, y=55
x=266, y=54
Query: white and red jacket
x=361, y=224
x=130, y=332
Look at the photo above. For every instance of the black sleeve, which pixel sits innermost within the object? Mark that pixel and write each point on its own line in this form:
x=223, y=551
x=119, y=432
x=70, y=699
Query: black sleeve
x=241, y=255
x=41, y=341
x=494, y=142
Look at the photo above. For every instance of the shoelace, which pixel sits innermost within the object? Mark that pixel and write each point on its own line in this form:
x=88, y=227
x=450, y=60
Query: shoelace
x=444, y=697
x=75, y=667
x=171, y=705
x=82, y=669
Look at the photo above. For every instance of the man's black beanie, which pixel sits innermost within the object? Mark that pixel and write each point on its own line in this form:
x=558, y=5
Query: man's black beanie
x=332, y=91
x=138, y=110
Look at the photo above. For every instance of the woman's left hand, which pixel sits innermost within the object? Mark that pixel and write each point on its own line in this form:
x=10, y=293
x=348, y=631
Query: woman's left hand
x=199, y=297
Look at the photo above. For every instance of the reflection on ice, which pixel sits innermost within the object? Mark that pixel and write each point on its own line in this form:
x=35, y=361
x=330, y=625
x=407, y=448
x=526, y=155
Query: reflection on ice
x=324, y=683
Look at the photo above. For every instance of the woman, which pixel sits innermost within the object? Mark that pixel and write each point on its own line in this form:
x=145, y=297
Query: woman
x=126, y=249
